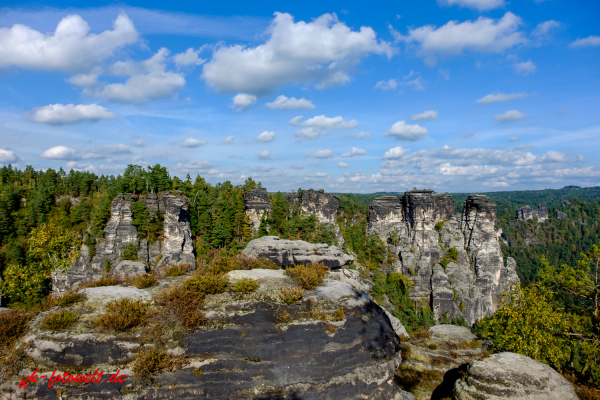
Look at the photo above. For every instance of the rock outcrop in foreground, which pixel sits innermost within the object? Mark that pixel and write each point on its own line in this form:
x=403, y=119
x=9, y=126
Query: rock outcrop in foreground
x=512, y=376
x=454, y=261
x=175, y=245
x=288, y=252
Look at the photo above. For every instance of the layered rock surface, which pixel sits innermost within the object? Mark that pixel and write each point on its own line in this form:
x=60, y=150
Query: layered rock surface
x=473, y=275
x=525, y=213
x=288, y=252
x=174, y=246
x=256, y=203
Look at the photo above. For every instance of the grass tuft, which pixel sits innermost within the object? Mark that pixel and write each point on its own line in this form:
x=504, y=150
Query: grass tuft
x=290, y=296
x=124, y=315
x=308, y=276
x=178, y=269
x=59, y=320
x=104, y=281
x=245, y=286
x=13, y=324
x=151, y=361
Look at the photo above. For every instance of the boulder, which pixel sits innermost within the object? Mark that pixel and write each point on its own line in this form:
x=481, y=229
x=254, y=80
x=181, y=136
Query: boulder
x=451, y=333
x=289, y=252
x=512, y=376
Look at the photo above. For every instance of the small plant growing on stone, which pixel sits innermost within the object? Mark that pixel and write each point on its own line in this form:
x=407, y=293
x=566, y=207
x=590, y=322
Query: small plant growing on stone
x=151, y=361
x=453, y=253
x=206, y=284
x=339, y=314
x=124, y=315
x=178, y=269
x=66, y=300
x=308, y=276
x=292, y=295
x=329, y=328
x=432, y=346
x=186, y=304
x=284, y=318
x=439, y=226
x=143, y=281
x=58, y=321
x=107, y=265
x=104, y=281
x=129, y=252
x=13, y=324
x=245, y=286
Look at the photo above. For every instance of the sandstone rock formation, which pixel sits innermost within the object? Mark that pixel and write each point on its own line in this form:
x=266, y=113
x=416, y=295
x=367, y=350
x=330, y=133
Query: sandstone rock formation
x=256, y=203
x=525, y=213
x=512, y=376
x=287, y=252
x=454, y=261
x=174, y=246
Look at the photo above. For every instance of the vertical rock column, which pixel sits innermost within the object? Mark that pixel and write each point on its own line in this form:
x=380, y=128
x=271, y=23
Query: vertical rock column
x=256, y=203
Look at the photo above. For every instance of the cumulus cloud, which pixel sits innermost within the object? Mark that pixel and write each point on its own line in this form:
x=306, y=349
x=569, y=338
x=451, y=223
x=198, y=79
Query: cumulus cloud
x=285, y=103
x=69, y=48
x=481, y=5
x=228, y=140
x=400, y=130
x=511, y=115
x=188, y=58
x=308, y=133
x=192, y=143
x=394, y=153
x=483, y=35
x=7, y=156
x=322, y=51
x=354, y=152
x=343, y=165
x=498, y=97
x=264, y=155
x=431, y=114
x=266, y=136
x=321, y=121
x=552, y=156
x=387, y=85
x=320, y=154
x=525, y=68
x=70, y=113
x=591, y=40
x=514, y=139
x=543, y=28
x=243, y=101
x=60, y=153
x=147, y=80
x=359, y=135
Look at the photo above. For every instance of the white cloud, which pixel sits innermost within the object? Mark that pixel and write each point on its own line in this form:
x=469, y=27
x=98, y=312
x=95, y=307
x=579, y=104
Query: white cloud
x=355, y=152
x=308, y=133
x=189, y=57
x=192, y=143
x=322, y=51
x=321, y=154
x=7, y=156
x=580, y=158
x=243, y=101
x=69, y=48
x=321, y=121
x=359, y=135
x=60, y=153
x=552, y=156
x=228, y=140
x=387, y=85
x=484, y=35
x=481, y=5
x=265, y=155
x=285, y=103
x=196, y=166
x=514, y=139
x=343, y=165
x=543, y=28
x=394, y=153
x=320, y=174
x=498, y=97
x=61, y=114
x=591, y=40
x=525, y=68
x=400, y=130
x=431, y=114
x=418, y=83
x=148, y=80
x=139, y=143
x=266, y=136
x=511, y=115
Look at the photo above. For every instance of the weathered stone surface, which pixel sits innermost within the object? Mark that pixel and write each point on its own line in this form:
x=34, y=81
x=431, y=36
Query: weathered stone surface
x=353, y=278
x=512, y=376
x=561, y=215
x=288, y=252
x=453, y=333
x=525, y=213
x=385, y=217
x=104, y=294
x=256, y=203
x=397, y=325
x=177, y=244
x=129, y=268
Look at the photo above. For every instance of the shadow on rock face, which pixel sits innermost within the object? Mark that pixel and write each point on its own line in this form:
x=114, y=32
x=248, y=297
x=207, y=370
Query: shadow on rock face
x=444, y=390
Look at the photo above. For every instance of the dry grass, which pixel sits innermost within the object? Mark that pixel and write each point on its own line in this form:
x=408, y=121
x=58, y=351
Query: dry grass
x=178, y=269
x=339, y=314
x=104, y=281
x=59, y=320
x=329, y=328
x=292, y=295
x=284, y=318
x=432, y=346
x=221, y=262
x=123, y=315
x=186, y=304
x=245, y=286
x=453, y=345
x=66, y=300
x=206, y=284
x=143, y=281
x=308, y=276
x=587, y=393
x=151, y=361
x=13, y=324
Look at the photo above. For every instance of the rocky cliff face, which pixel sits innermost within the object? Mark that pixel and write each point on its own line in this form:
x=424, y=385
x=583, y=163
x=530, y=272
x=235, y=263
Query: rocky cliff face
x=174, y=246
x=454, y=261
x=525, y=213
x=256, y=203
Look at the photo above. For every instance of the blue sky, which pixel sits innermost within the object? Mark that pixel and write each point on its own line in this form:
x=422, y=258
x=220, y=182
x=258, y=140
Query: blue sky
x=453, y=95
